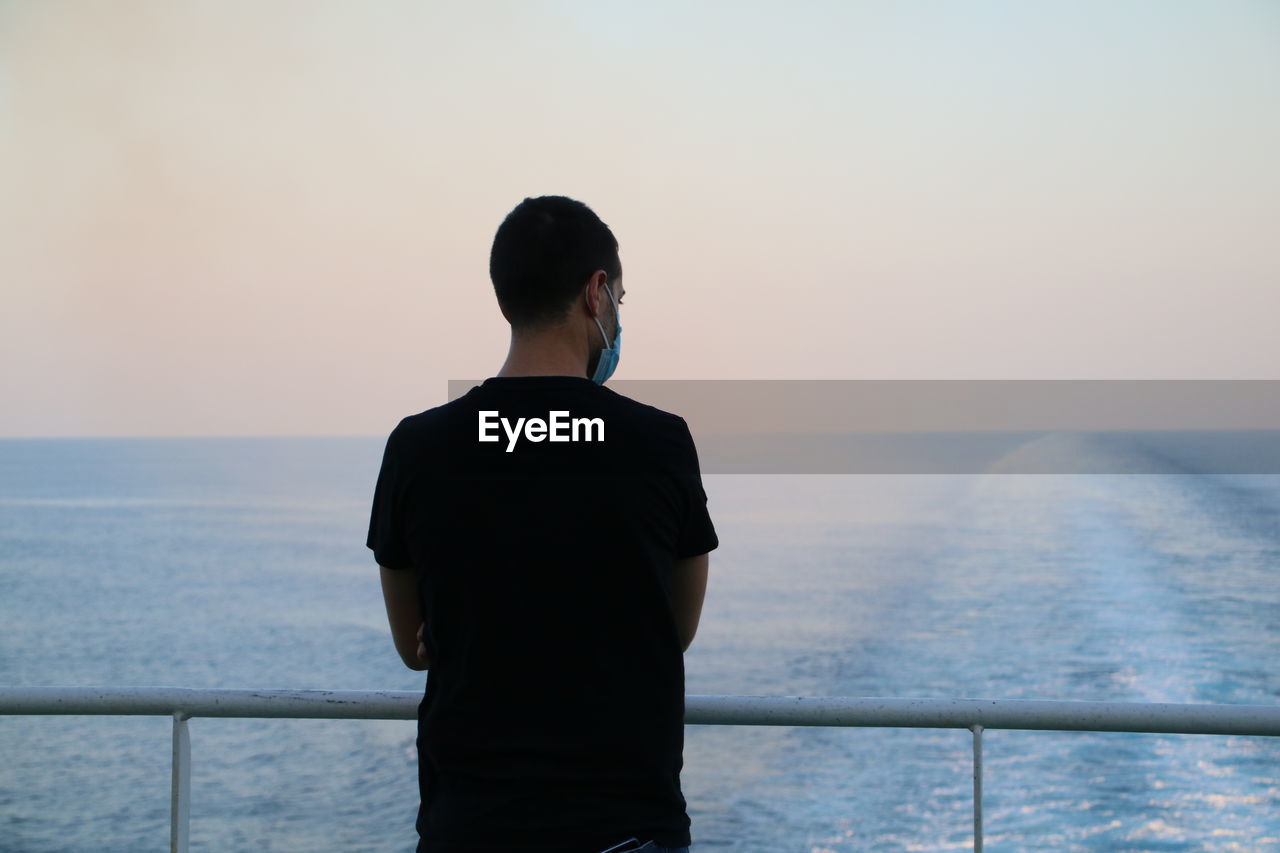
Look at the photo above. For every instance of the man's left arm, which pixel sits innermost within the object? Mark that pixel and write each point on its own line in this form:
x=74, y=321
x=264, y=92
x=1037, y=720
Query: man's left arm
x=388, y=541
x=400, y=594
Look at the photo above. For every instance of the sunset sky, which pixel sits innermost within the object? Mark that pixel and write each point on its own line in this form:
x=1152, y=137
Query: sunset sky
x=242, y=218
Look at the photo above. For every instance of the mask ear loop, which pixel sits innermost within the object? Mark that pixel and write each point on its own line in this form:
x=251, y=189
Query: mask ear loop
x=603, y=336
x=614, y=303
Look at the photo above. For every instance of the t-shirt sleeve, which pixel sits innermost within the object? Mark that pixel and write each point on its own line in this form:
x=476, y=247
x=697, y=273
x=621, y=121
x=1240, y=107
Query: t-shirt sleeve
x=387, y=522
x=697, y=533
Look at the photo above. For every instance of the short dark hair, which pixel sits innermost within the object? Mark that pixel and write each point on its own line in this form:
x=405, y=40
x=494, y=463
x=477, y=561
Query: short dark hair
x=543, y=253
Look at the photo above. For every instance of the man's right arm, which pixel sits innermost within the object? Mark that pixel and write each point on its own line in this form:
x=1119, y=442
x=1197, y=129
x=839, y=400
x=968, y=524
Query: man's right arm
x=688, y=588
x=400, y=594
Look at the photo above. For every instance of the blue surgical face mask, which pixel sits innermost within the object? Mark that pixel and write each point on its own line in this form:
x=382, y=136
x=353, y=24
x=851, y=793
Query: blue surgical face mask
x=608, y=355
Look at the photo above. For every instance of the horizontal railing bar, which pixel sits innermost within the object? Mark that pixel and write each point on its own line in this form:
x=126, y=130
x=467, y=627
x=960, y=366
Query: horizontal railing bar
x=1043, y=715
x=212, y=702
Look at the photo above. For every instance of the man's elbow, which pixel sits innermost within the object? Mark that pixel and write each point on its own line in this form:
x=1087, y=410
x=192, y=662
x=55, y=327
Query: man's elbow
x=688, y=591
x=686, y=638
x=414, y=658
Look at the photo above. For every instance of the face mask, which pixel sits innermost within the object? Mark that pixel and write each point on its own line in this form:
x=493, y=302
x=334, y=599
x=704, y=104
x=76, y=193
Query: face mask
x=608, y=355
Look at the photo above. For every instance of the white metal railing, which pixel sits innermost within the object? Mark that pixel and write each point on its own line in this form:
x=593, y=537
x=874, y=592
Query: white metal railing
x=975, y=715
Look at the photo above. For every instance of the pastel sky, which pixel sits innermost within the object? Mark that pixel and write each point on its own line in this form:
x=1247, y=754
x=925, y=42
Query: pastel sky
x=245, y=218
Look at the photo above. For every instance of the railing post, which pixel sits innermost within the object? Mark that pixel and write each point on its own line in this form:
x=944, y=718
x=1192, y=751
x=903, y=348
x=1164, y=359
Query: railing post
x=180, y=800
x=977, y=788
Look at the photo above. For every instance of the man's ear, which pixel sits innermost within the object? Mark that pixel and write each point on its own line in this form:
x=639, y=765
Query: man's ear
x=595, y=295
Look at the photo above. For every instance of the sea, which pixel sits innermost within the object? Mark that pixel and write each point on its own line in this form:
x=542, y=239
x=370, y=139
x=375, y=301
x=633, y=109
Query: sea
x=241, y=562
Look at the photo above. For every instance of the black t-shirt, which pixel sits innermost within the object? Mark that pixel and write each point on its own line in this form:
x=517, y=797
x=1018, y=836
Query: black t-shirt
x=553, y=716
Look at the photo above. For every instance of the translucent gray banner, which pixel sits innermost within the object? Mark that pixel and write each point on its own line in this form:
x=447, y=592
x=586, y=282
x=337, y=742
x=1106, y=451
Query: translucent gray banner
x=971, y=426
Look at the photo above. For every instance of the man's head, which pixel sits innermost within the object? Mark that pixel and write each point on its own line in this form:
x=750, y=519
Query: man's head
x=545, y=253
x=558, y=280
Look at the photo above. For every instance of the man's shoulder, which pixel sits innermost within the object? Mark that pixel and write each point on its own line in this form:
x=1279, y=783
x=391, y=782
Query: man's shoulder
x=651, y=416
x=414, y=427
x=434, y=418
x=661, y=437
x=416, y=432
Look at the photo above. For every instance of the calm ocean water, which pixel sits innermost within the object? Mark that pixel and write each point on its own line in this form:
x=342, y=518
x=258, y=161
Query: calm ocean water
x=241, y=563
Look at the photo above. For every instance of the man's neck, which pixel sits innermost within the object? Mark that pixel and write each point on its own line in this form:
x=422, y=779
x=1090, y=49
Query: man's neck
x=550, y=353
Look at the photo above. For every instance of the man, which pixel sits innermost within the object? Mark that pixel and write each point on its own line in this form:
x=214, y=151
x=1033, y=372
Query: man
x=543, y=544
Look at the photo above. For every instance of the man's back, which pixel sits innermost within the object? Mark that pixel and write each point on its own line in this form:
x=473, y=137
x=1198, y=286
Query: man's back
x=553, y=714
